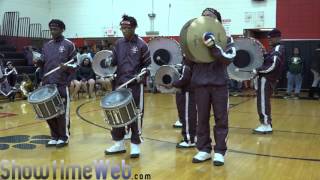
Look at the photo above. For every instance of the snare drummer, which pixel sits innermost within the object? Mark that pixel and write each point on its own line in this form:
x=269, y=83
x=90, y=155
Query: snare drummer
x=56, y=52
x=130, y=54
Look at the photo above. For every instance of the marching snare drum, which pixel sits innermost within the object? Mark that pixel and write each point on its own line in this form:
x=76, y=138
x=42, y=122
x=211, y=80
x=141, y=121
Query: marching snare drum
x=119, y=108
x=46, y=102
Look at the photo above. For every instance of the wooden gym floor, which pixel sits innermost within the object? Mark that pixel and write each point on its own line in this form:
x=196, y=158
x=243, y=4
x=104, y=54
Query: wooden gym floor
x=291, y=152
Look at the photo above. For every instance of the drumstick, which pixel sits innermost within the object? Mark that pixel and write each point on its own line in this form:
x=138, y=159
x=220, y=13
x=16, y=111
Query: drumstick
x=128, y=82
x=57, y=68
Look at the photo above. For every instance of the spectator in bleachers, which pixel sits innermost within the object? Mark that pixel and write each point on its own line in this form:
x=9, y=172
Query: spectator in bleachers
x=11, y=73
x=106, y=83
x=86, y=77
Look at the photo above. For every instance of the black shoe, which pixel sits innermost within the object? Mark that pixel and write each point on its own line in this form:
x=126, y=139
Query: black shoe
x=134, y=155
x=116, y=152
x=218, y=163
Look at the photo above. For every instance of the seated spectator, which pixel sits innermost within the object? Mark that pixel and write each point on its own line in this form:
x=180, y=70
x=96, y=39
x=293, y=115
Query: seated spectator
x=85, y=77
x=106, y=83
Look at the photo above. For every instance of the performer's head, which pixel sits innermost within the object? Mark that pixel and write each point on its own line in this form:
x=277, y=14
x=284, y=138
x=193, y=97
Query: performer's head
x=274, y=37
x=128, y=26
x=9, y=65
x=212, y=13
x=296, y=51
x=56, y=27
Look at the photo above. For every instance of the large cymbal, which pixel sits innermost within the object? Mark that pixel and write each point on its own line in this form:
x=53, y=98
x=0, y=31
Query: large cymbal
x=191, y=38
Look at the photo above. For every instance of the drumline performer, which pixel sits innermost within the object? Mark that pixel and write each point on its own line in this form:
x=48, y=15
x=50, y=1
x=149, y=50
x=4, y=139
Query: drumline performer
x=210, y=83
x=268, y=74
x=57, y=51
x=186, y=106
x=131, y=55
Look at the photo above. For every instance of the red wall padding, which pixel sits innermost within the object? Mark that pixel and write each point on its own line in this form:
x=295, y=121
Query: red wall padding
x=299, y=19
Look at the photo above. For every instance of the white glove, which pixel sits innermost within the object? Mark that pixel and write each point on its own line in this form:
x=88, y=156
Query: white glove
x=254, y=71
x=208, y=39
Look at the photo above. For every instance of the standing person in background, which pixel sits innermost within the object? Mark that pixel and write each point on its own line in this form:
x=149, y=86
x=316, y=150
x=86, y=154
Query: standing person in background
x=55, y=53
x=210, y=83
x=11, y=73
x=294, y=74
x=268, y=74
x=130, y=54
x=180, y=97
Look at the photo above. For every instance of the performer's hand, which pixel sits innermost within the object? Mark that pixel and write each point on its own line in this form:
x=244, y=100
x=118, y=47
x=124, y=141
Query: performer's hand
x=146, y=70
x=108, y=61
x=139, y=79
x=254, y=71
x=63, y=67
x=208, y=39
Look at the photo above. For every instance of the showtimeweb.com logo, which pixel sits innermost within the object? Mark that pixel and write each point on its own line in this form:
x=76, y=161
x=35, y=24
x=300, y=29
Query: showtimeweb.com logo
x=100, y=169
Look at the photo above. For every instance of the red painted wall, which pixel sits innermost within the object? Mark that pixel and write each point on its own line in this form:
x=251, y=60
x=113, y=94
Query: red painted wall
x=299, y=19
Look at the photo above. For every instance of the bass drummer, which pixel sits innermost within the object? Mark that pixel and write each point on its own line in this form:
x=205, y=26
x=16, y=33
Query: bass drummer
x=56, y=52
x=130, y=54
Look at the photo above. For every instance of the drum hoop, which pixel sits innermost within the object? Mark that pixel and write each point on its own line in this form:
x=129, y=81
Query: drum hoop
x=46, y=99
x=121, y=125
x=118, y=106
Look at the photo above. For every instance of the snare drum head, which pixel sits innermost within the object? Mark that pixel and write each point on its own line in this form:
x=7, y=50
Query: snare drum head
x=116, y=98
x=43, y=93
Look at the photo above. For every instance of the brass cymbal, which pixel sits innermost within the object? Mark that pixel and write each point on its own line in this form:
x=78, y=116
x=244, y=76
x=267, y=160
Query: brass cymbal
x=191, y=38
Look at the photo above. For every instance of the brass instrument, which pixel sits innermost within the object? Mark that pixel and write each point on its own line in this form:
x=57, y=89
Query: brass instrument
x=191, y=38
x=26, y=86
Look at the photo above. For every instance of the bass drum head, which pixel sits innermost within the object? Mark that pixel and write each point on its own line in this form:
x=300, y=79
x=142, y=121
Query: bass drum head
x=164, y=51
x=43, y=93
x=166, y=75
x=249, y=56
x=116, y=99
x=191, y=38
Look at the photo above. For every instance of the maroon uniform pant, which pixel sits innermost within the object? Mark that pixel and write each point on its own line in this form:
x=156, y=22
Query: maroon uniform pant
x=216, y=97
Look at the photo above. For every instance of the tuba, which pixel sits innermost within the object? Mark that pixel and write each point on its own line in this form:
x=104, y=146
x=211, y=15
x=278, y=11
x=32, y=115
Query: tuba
x=249, y=56
x=101, y=64
x=26, y=86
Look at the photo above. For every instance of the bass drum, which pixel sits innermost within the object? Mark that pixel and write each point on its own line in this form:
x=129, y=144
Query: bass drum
x=165, y=76
x=163, y=51
x=249, y=56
